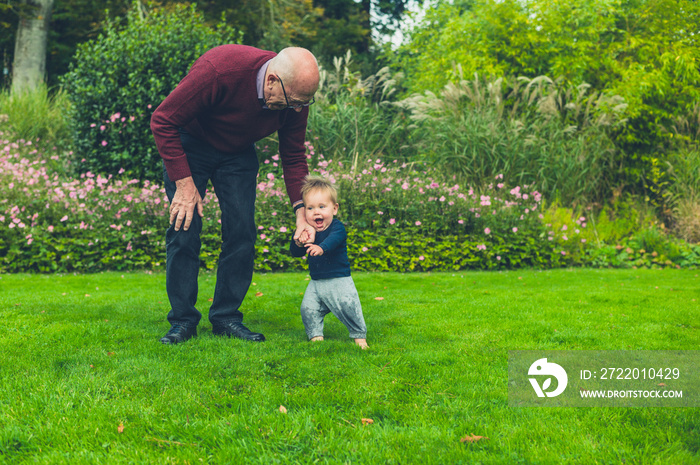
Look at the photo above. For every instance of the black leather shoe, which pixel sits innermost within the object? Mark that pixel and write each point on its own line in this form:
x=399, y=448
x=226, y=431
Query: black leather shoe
x=237, y=330
x=179, y=333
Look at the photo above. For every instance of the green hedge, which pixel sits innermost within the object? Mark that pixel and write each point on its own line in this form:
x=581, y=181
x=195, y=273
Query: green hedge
x=399, y=218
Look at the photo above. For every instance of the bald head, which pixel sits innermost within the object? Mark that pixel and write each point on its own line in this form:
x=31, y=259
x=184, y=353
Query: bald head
x=298, y=68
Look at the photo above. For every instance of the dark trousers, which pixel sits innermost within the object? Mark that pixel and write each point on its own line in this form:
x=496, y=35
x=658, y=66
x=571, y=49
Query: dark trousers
x=234, y=178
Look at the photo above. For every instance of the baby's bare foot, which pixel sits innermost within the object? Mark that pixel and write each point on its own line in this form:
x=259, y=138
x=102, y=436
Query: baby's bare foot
x=362, y=343
x=317, y=338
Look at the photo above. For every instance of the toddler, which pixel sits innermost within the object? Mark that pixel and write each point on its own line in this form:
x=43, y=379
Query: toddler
x=331, y=289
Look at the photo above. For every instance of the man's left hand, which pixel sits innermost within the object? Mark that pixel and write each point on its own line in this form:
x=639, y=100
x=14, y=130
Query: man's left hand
x=305, y=233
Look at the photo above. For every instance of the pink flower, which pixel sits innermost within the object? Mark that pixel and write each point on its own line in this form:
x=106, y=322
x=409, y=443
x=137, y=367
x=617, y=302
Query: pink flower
x=481, y=247
x=515, y=230
x=104, y=143
x=421, y=258
x=262, y=236
x=460, y=221
x=283, y=229
x=270, y=176
x=487, y=231
x=564, y=228
x=418, y=223
x=50, y=228
x=392, y=221
x=380, y=213
x=365, y=249
x=498, y=257
x=563, y=252
x=64, y=218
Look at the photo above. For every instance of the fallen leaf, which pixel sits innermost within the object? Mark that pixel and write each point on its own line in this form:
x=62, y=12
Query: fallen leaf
x=283, y=409
x=120, y=428
x=379, y=298
x=472, y=438
x=258, y=294
x=253, y=284
x=661, y=384
x=211, y=299
x=109, y=354
x=87, y=295
x=367, y=421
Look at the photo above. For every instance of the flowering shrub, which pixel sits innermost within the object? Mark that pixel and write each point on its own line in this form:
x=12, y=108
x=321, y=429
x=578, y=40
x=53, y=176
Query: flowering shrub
x=400, y=217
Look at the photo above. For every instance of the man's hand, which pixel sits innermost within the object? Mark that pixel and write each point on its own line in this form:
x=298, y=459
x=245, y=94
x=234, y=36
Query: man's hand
x=314, y=250
x=184, y=202
x=305, y=233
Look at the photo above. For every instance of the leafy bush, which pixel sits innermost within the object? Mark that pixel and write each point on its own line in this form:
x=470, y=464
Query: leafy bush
x=117, y=80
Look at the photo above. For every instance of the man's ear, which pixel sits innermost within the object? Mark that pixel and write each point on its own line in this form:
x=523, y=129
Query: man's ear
x=270, y=80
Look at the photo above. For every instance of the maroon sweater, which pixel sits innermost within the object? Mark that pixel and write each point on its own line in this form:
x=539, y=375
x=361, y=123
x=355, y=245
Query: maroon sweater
x=217, y=102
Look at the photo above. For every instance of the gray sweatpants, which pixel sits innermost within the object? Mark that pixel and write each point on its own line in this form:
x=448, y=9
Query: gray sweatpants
x=337, y=296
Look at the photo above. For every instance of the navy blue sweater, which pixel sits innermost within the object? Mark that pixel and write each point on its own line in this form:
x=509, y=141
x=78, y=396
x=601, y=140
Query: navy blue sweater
x=334, y=261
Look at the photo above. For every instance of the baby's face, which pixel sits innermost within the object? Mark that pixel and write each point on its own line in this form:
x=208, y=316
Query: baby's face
x=319, y=209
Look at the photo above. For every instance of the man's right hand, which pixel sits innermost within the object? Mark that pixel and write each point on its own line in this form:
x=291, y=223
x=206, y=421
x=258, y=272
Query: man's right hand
x=184, y=202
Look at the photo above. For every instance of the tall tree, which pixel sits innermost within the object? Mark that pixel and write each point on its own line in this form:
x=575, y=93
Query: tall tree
x=29, y=65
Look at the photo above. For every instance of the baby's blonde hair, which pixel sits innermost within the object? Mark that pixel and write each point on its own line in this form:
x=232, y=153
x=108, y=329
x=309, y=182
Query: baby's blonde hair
x=312, y=182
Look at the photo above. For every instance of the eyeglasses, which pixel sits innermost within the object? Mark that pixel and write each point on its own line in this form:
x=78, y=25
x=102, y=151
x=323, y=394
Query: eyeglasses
x=296, y=105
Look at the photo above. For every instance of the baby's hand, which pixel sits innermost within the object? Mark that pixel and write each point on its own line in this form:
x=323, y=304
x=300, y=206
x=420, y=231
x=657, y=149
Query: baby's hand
x=314, y=250
x=304, y=237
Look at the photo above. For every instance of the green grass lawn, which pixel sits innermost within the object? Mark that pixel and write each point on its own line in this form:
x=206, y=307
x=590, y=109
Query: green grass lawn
x=83, y=378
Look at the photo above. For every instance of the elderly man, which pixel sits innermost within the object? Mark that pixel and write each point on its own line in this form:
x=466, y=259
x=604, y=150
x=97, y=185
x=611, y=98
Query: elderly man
x=232, y=97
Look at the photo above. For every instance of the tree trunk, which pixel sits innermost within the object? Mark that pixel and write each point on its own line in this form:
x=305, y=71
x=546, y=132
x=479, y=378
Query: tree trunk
x=29, y=66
